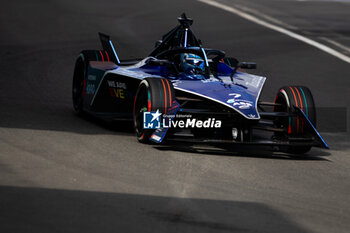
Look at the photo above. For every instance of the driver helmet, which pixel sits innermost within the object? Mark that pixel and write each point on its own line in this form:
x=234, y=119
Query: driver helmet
x=191, y=63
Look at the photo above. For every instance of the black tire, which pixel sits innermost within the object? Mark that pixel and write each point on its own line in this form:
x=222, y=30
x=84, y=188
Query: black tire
x=79, y=77
x=301, y=97
x=152, y=94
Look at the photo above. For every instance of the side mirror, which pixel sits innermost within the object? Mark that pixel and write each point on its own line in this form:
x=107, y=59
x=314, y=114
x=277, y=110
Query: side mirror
x=243, y=65
x=159, y=63
x=166, y=63
x=247, y=65
x=231, y=61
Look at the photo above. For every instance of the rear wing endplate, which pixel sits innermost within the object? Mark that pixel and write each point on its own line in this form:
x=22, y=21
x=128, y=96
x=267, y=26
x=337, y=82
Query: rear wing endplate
x=107, y=45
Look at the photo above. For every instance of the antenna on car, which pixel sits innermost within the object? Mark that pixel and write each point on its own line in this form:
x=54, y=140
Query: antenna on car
x=184, y=21
x=180, y=36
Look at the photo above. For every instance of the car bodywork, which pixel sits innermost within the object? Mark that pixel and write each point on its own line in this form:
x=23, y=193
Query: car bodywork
x=223, y=92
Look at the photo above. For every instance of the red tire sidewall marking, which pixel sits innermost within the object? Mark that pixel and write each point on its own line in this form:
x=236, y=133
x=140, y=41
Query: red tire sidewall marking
x=302, y=108
x=107, y=56
x=170, y=97
x=275, y=101
x=101, y=55
x=165, y=98
x=296, y=103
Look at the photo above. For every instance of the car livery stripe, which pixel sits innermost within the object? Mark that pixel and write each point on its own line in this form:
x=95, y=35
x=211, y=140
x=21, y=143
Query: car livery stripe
x=167, y=82
x=101, y=55
x=165, y=99
x=296, y=103
x=302, y=109
x=107, y=55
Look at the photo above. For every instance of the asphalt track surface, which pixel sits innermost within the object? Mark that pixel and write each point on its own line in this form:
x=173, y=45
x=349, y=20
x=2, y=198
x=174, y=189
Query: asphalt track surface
x=64, y=173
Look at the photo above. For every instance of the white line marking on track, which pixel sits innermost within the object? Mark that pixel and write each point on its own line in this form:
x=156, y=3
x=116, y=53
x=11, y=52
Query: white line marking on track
x=332, y=1
x=267, y=17
x=278, y=29
x=343, y=47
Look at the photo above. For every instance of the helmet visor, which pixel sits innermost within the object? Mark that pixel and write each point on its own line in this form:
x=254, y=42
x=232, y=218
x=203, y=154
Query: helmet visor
x=194, y=61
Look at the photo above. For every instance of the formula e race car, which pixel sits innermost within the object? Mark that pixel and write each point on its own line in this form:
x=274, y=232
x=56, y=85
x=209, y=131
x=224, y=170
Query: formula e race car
x=185, y=92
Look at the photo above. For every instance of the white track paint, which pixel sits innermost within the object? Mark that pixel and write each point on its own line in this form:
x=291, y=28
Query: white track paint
x=323, y=1
x=278, y=29
x=343, y=47
x=267, y=17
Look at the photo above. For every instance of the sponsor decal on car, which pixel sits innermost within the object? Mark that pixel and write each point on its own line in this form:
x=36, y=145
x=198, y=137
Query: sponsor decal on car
x=155, y=120
x=151, y=120
x=117, y=89
x=156, y=138
x=91, y=77
x=176, y=82
x=209, y=80
x=116, y=84
x=236, y=101
x=90, y=88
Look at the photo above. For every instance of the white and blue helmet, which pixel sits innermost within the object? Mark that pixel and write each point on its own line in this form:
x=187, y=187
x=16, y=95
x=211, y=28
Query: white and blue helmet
x=191, y=64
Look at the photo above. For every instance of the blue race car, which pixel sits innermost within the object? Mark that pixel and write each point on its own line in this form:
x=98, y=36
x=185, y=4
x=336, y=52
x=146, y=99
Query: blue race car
x=188, y=93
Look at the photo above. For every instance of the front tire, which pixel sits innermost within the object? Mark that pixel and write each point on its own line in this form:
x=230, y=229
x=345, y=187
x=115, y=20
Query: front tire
x=152, y=94
x=301, y=97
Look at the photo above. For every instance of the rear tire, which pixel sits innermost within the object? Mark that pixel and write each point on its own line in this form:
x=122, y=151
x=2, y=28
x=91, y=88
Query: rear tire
x=79, y=82
x=301, y=97
x=79, y=77
x=152, y=94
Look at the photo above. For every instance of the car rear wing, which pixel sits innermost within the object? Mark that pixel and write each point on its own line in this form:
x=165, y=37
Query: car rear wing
x=107, y=45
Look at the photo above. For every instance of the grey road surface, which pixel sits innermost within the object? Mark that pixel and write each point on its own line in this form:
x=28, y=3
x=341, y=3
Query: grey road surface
x=63, y=173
